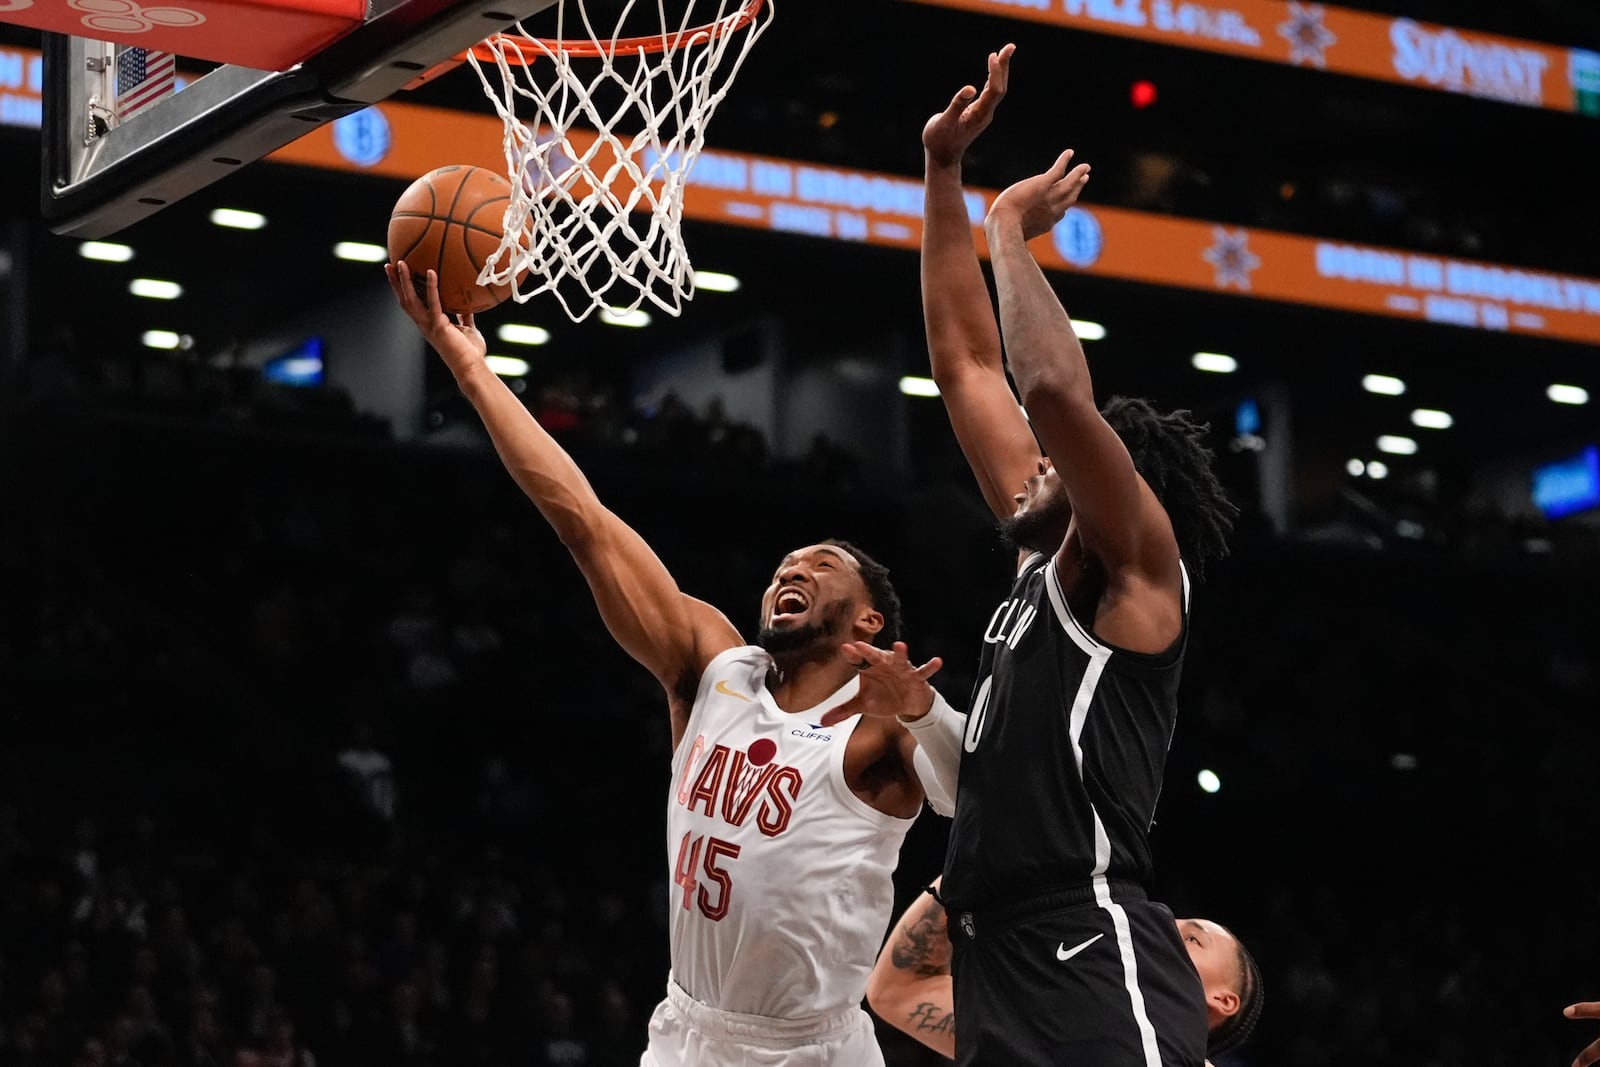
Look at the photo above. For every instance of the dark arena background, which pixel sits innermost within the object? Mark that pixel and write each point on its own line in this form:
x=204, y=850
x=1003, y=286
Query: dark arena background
x=313, y=748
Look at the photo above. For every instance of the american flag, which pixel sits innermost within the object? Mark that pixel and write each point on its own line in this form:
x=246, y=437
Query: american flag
x=143, y=77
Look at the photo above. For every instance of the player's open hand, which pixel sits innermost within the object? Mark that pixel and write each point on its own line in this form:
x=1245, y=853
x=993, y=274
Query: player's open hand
x=458, y=340
x=1039, y=202
x=949, y=134
x=1587, y=1010
x=890, y=685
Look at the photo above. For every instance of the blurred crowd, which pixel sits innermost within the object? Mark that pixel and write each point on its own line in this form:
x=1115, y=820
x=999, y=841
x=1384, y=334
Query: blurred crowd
x=316, y=753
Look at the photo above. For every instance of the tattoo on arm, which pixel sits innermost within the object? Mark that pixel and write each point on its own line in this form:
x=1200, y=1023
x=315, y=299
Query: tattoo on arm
x=924, y=944
x=930, y=1016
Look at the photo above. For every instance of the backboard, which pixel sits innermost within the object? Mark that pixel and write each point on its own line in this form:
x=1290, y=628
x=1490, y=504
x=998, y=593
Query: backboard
x=102, y=174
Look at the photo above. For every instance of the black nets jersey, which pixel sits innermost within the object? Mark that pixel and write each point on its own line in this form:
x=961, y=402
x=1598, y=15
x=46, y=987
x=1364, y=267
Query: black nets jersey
x=1064, y=752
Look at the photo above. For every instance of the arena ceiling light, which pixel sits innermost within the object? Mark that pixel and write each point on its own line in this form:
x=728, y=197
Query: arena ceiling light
x=624, y=317
x=1431, y=419
x=507, y=366
x=516, y=333
x=360, y=252
x=1377, y=469
x=155, y=289
x=1088, y=330
x=716, y=282
x=911, y=385
x=1209, y=781
x=1395, y=445
x=105, y=251
x=1568, y=394
x=234, y=219
x=1214, y=362
x=1355, y=468
x=161, y=339
x=1383, y=385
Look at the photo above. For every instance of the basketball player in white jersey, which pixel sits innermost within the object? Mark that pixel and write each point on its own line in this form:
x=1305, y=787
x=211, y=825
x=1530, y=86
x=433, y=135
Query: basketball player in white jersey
x=781, y=834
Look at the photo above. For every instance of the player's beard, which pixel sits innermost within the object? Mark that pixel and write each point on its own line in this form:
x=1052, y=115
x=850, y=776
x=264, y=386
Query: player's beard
x=1037, y=529
x=823, y=632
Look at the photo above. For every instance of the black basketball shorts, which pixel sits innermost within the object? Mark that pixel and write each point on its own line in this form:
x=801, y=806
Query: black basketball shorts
x=1076, y=981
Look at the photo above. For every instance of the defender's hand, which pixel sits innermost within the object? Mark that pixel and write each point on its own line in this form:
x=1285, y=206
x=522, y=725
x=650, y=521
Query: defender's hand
x=949, y=134
x=1038, y=203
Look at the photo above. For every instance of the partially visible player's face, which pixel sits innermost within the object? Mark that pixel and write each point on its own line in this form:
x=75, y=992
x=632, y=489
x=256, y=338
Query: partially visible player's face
x=1043, y=512
x=815, y=594
x=1215, y=953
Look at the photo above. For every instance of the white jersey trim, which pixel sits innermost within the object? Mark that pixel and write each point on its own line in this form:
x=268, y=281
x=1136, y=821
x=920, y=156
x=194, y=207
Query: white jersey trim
x=1099, y=655
x=697, y=709
x=847, y=796
x=1081, y=634
x=1130, y=970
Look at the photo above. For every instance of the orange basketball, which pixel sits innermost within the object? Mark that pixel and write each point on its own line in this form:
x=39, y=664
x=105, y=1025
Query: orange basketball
x=449, y=220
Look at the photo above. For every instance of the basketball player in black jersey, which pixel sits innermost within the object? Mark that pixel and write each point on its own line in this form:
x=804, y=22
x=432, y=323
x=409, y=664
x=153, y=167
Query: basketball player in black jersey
x=1059, y=957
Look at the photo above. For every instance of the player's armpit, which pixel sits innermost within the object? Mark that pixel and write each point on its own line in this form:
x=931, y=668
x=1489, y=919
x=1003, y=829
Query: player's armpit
x=670, y=633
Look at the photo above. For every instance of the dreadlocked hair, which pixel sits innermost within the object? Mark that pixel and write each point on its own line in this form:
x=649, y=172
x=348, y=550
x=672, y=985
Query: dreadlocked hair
x=1169, y=453
x=884, y=599
x=1237, y=1028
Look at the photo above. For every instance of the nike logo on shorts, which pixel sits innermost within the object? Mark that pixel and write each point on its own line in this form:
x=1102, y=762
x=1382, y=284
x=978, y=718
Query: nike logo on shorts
x=1064, y=953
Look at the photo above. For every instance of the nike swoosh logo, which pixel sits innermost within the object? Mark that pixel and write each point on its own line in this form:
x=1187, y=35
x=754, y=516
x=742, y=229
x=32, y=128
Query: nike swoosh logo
x=722, y=687
x=1065, y=953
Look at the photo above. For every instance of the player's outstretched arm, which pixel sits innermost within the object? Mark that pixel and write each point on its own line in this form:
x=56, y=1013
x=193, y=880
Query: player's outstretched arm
x=1118, y=517
x=963, y=339
x=910, y=986
x=1586, y=1010
x=670, y=633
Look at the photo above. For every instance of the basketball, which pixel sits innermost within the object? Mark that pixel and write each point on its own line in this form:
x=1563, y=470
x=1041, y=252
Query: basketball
x=449, y=220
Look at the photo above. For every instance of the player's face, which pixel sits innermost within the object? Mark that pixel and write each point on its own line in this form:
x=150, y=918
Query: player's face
x=1043, y=512
x=1215, y=953
x=814, y=595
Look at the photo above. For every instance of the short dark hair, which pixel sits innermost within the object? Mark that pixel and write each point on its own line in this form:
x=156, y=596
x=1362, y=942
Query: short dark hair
x=1237, y=1028
x=1169, y=453
x=884, y=599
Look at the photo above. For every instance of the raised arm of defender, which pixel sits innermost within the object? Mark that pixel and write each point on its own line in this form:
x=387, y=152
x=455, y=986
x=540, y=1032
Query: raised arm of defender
x=963, y=339
x=672, y=634
x=1117, y=516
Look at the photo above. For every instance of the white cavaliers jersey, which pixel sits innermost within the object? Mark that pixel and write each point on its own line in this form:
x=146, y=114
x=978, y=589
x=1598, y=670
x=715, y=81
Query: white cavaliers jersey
x=781, y=889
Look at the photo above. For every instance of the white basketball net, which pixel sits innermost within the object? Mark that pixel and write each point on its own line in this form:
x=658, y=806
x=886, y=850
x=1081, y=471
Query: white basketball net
x=595, y=215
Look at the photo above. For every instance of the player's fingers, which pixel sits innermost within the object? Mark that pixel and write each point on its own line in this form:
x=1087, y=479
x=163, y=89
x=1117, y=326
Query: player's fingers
x=1588, y=1009
x=434, y=307
x=392, y=274
x=1588, y=1056
x=1000, y=69
x=930, y=668
x=466, y=321
x=1059, y=167
x=861, y=655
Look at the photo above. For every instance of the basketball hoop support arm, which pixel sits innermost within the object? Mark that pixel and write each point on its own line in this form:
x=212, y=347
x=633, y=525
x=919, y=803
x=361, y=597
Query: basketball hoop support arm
x=233, y=115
